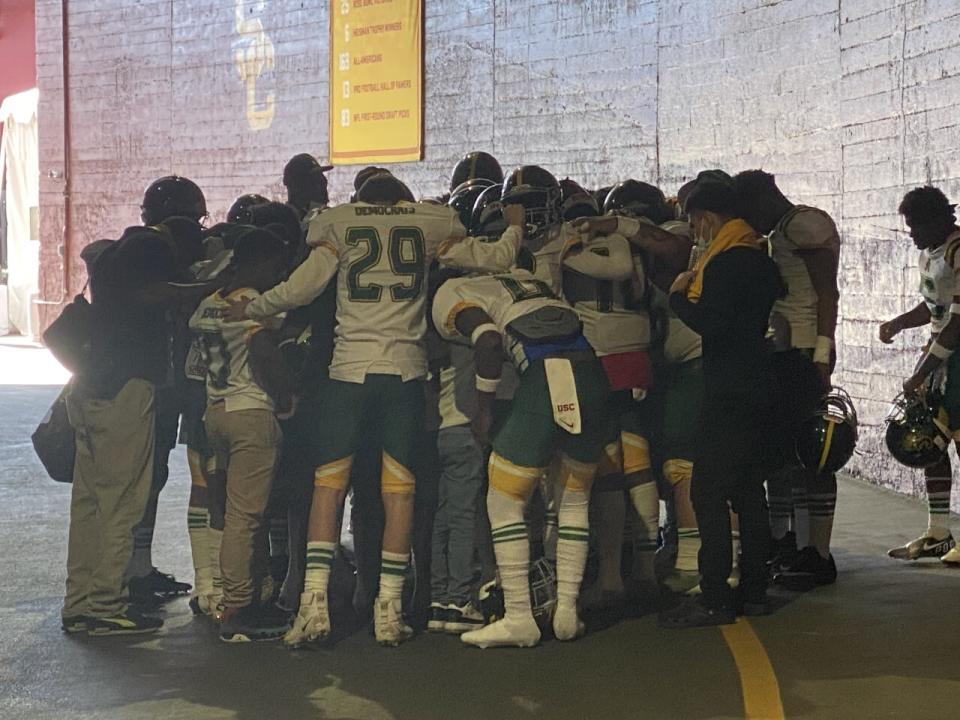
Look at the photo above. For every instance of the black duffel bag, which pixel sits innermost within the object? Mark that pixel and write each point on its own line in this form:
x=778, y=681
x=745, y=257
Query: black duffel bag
x=54, y=440
x=70, y=336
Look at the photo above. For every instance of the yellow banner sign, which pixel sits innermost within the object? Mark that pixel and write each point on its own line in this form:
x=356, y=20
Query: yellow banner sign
x=376, y=81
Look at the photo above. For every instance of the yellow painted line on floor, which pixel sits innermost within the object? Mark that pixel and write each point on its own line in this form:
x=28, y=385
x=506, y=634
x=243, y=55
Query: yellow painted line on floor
x=761, y=691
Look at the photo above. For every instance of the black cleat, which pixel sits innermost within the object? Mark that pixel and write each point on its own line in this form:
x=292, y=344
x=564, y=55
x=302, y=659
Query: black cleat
x=810, y=570
x=128, y=622
x=694, y=612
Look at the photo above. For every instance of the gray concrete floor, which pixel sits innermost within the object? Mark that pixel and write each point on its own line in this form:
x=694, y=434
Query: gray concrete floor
x=881, y=643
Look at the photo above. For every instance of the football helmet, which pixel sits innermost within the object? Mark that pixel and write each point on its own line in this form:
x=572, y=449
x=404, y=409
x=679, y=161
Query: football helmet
x=172, y=195
x=486, y=220
x=464, y=197
x=637, y=199
x=575, y=202
x=543, y=592
x=238, y=211
x=476, y=165
x=543, y=595
x=827, y=438
x=538, y=192
x=917, y=436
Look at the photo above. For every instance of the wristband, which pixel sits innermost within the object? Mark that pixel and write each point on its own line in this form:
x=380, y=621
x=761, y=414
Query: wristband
x=939, y=351
x=822, y=349
x=627, y=226
x=487, y=385
x=481, y=329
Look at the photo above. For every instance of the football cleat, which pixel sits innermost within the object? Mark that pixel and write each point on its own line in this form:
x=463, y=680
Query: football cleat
x=952, y=557
x=463, y=619
x=437, y=619
x=75, y=624
x=253, y=624
x=208, y=605
x=509, y=632
x=158, y=583
x=694, y=612
x=128, y=622
x=923, y=547
x=388, y=625
x=312, y=622
x=567, y=625
x=809, y=570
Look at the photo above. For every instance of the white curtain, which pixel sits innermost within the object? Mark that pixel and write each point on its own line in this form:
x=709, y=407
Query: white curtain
x=19, y=160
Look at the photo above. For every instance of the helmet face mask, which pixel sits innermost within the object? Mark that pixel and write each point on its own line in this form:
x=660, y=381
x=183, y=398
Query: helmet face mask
x=915, y=435
x=541, y=206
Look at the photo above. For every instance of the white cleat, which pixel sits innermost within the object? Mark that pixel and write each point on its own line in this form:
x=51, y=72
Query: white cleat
x=312, y=622
x=389, y=628
x=952, y=557
x=509, y=632
x=566, y=623
x=388, y=625
x=925, y=546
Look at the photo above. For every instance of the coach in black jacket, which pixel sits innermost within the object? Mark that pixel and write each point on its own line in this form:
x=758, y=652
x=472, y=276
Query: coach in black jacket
x=727, y=299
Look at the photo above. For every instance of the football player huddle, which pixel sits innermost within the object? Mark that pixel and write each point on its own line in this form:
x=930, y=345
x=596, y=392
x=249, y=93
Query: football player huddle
x=504, y=413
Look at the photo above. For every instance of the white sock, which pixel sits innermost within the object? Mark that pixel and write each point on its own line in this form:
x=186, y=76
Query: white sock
x=512, y=548
x=938, y=507
x=688, y=549
x=573, y=538
x=780, y=511
x=214, y=539
x=393, y=570
x=646, y=501
x=198, y=529
x=141, y=564
x=319, y=562
x=279, y=537
x=801, y=516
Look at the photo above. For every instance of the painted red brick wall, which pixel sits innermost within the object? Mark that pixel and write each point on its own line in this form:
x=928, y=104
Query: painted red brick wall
x=849, y=102
x=17, y=47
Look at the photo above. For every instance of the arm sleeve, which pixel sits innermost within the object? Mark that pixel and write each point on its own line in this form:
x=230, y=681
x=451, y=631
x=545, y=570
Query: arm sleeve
x=471, y=253
x=303, y=285
x=614, y=262
x=716, y=311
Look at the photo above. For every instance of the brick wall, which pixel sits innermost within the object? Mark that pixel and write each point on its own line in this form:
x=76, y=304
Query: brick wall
x=849, y=102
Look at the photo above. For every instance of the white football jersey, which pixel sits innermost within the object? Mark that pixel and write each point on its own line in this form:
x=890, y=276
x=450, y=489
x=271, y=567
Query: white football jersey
x=225, y=349
x=549, y=251
x=504, y=298
x=381, y=254
x=938, y=280
x=606, y=284
x=803, y=228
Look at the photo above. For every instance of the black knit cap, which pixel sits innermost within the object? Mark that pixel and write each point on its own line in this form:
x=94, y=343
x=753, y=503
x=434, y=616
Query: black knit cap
x=301, y=168
x=712, y=191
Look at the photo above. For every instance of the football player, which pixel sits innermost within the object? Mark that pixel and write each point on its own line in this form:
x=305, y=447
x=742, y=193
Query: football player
x=605, y=281
x=674, y=404
x=560, y=404
x=247, y=385
x=379, y=248
x=805, y=245
x=933, y=229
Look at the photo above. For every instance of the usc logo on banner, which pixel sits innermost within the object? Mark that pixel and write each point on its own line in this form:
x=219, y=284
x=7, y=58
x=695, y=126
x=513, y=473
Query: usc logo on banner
x=253, y=54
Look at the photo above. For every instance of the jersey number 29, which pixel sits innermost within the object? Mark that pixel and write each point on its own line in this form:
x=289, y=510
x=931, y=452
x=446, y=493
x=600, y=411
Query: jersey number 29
x=406, y=252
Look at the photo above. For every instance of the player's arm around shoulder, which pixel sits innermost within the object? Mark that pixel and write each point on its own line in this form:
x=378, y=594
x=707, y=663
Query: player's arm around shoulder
x=458, y=250
x=603, y=258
